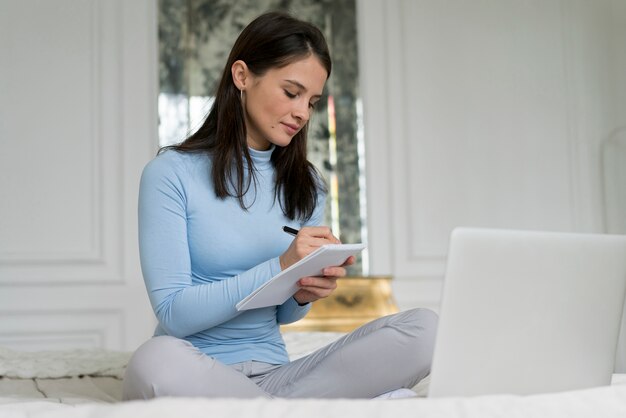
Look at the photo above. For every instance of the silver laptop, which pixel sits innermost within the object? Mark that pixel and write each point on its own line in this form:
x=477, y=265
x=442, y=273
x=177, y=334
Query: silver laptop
x=527, y=312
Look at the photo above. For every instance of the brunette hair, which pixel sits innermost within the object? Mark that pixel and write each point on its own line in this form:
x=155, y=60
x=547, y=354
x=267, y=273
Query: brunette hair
x=272, y=40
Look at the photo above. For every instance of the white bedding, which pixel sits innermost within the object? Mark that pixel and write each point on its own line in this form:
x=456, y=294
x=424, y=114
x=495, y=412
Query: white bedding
x=55, y=364
x=85, y=376
x=38, y=388
x=605, y=402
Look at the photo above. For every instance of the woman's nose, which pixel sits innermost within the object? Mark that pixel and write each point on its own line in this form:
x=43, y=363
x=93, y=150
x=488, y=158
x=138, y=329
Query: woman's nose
x=301, y=110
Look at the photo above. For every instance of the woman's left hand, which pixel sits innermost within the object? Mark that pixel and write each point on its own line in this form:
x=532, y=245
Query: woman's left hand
x=314, y=288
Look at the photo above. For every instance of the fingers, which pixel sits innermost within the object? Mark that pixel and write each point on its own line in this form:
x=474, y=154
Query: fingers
x=317, y=235
x=350, y=261
x=334, y=271
x=318, y=282
x=311, y=238
x=308, y=239
x=314, y=288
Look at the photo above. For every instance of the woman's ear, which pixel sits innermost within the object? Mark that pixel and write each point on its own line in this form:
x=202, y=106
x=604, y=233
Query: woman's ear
x=239, y=71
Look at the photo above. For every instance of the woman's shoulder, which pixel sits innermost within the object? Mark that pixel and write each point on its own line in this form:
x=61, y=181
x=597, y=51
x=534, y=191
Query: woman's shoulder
x=176, y=162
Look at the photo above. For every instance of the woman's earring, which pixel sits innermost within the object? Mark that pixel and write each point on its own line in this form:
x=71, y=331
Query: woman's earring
x=241, y=95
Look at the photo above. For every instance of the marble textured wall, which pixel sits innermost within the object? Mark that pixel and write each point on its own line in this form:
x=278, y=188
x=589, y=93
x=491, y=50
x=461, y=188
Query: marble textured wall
x=195, y=37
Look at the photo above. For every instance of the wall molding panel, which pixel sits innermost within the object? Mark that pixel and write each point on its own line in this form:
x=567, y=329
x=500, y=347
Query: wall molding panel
x=69, y=263
x=98, y=259
x=62, y=329
x=489, y=115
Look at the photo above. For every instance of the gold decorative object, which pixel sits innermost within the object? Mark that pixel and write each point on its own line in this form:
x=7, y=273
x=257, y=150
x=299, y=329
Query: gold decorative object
x=356, y=301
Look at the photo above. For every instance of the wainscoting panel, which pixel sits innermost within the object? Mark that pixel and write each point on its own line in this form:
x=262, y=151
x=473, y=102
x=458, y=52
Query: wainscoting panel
x=485, y=114
x=491, y=115
x=78, y=123
x=58, y=330
x=64, y=220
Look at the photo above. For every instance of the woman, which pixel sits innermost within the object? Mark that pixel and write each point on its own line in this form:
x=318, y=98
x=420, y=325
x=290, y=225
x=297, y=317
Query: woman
x=211, y=212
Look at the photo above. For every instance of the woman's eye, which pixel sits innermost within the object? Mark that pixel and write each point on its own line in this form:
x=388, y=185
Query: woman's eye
x=312, y=105
x=290, y=95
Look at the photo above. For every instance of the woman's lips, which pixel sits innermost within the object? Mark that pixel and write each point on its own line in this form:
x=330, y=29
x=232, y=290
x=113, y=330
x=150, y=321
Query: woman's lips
x=291, y=129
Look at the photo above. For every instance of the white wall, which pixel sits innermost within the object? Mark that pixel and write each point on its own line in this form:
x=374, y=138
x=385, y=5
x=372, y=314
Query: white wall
x=77, y=124
x=484, y=113
x=487, y=113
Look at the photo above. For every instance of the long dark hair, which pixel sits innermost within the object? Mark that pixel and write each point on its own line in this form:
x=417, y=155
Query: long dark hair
x=272, y=40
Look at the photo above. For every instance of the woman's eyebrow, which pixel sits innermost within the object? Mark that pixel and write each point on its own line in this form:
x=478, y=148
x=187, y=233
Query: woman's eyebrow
x=301, y=87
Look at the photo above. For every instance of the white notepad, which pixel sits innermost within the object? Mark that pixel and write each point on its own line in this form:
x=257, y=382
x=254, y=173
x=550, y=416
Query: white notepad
x=284, y=285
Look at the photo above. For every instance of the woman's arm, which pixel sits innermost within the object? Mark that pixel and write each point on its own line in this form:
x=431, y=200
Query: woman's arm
x=182, y=308
x=312, y=288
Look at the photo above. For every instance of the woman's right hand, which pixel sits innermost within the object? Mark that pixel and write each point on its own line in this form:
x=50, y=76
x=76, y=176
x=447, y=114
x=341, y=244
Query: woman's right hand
x=309, y=238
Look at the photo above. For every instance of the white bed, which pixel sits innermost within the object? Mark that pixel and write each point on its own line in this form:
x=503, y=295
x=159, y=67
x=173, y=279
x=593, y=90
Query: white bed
x=86, y=383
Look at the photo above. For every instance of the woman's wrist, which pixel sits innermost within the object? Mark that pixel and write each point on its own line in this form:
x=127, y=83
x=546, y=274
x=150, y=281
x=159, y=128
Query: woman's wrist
x=300, y=304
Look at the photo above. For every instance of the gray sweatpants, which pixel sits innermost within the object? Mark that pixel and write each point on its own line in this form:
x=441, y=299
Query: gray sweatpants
x=389, y=353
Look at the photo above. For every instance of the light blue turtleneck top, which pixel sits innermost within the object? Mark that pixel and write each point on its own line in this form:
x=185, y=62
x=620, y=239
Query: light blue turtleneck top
x=201, y=255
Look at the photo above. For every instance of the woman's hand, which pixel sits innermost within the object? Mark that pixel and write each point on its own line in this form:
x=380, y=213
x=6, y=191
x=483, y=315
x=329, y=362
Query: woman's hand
x=307, y=241
x=314, y=288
